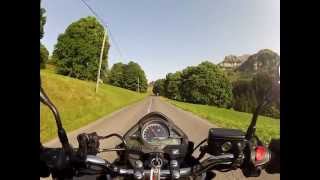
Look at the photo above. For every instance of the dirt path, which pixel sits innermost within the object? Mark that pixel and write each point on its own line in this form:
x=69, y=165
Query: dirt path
x=121, y=121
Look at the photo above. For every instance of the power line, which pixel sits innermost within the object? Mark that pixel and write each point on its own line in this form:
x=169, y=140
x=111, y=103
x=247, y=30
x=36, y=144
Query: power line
x=106, y=26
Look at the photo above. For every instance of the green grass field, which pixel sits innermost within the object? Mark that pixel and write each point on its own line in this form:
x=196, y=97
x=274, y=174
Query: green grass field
x=267, y=127
x=78, y=103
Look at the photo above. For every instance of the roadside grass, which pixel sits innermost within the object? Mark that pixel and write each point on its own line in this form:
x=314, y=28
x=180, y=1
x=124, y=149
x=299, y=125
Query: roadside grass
x=78, y=103
x=50, y=68
x=266, y=129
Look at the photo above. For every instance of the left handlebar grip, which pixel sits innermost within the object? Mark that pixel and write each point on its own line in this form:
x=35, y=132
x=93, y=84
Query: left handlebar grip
x=58, y=161
x=44, y=169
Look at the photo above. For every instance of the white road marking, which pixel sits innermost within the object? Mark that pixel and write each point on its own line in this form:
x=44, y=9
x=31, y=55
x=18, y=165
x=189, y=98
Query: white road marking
x=149, y=106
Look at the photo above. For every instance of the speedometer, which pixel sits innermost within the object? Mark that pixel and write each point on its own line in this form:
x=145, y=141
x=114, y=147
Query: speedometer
x=154, y=132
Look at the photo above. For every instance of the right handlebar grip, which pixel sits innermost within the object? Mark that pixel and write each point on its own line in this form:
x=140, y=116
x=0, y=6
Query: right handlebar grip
x=274, y=163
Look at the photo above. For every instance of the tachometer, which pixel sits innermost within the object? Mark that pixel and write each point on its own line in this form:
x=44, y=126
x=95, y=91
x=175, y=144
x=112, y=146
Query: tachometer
x=154, y=132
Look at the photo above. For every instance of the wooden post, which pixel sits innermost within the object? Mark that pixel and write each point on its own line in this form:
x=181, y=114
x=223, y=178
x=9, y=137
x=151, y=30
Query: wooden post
x=100, y=61
x=138, y=85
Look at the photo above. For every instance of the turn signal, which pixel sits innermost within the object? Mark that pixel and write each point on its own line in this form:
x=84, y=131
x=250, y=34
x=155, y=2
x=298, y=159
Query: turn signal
x=262, y=155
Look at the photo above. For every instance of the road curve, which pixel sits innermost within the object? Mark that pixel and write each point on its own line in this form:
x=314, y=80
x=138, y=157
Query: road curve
x=119, y=122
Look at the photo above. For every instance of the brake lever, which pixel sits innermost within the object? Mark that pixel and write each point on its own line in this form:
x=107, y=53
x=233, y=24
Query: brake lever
x=211, y=161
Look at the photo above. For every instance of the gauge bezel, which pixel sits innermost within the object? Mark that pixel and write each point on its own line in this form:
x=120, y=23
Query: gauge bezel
x=154, y=121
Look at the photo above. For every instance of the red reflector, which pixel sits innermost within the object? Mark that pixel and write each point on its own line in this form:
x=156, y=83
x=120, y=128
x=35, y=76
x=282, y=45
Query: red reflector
x=260, y=153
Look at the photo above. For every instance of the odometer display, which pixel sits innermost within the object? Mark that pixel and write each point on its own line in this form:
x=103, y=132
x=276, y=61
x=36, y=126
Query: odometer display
x=155, y=132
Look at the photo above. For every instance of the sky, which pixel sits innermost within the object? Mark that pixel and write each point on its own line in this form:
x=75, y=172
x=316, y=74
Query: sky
x=165, y=36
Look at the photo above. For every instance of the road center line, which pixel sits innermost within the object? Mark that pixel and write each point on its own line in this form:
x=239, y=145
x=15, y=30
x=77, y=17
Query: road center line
x=149, y=106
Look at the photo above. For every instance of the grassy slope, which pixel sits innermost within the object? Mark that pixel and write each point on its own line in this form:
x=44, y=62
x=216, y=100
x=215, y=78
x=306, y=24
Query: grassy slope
x=78, y=103
x=267, y=128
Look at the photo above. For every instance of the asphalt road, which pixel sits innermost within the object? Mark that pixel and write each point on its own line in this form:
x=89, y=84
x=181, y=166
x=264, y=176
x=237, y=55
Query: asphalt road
x=122, y=120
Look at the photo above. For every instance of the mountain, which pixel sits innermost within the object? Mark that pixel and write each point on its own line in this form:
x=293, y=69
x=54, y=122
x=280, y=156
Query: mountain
x=232, y=61
x=264, y=60
x=244, y=57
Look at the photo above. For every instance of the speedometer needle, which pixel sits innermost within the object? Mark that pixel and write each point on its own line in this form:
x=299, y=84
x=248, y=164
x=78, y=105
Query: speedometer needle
x=153, y=131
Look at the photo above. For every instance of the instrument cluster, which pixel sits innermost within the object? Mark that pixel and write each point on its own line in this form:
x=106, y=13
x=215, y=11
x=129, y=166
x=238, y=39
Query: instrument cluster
x=156, y=132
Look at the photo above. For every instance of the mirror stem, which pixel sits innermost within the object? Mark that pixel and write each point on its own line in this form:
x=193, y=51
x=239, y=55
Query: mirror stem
x=252, y=128
x=61, y=132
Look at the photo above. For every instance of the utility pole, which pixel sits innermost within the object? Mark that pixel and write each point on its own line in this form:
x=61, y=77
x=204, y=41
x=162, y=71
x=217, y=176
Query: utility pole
x=138, y=85
x=101, y=56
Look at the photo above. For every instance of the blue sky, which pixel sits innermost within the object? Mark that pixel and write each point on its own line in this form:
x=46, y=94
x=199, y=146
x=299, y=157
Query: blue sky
x=168, y=35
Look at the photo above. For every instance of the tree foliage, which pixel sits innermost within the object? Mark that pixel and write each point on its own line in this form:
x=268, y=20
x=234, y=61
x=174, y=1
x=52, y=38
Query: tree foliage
x=263, y=89
x=158, y=87
x=42, y=21
x=206, y=84
x=267, y=92
x=78, y=49
x=116, y=76
x=244, y=98
x=43, y=50
x=44, y=54
x=172, y=85
x=202, y=84
x=129, y=76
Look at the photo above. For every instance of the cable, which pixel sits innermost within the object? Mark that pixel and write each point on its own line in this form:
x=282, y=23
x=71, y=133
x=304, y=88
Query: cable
x=106, y=26
x=116, y=135
x=203, y=141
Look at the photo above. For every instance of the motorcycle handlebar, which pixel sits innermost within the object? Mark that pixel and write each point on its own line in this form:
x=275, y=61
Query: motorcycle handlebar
x=204, y=166
x=163, y=173
x=53, y=155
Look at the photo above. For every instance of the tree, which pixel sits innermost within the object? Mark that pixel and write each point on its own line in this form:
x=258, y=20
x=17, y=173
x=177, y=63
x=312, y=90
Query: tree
x=244, y=99
x=77, y=51
x=129, y=76
x=158, y=87
x=135, y=78
x=42, y=21
x=172, y=85
x=44, y=54
x=206, y=84
x=43, y=50
x=116, y=76
x=267, y=90
x=265, y=87
x=261, y=89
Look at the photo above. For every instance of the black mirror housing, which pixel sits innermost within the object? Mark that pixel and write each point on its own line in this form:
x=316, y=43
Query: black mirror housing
x=223, y=140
